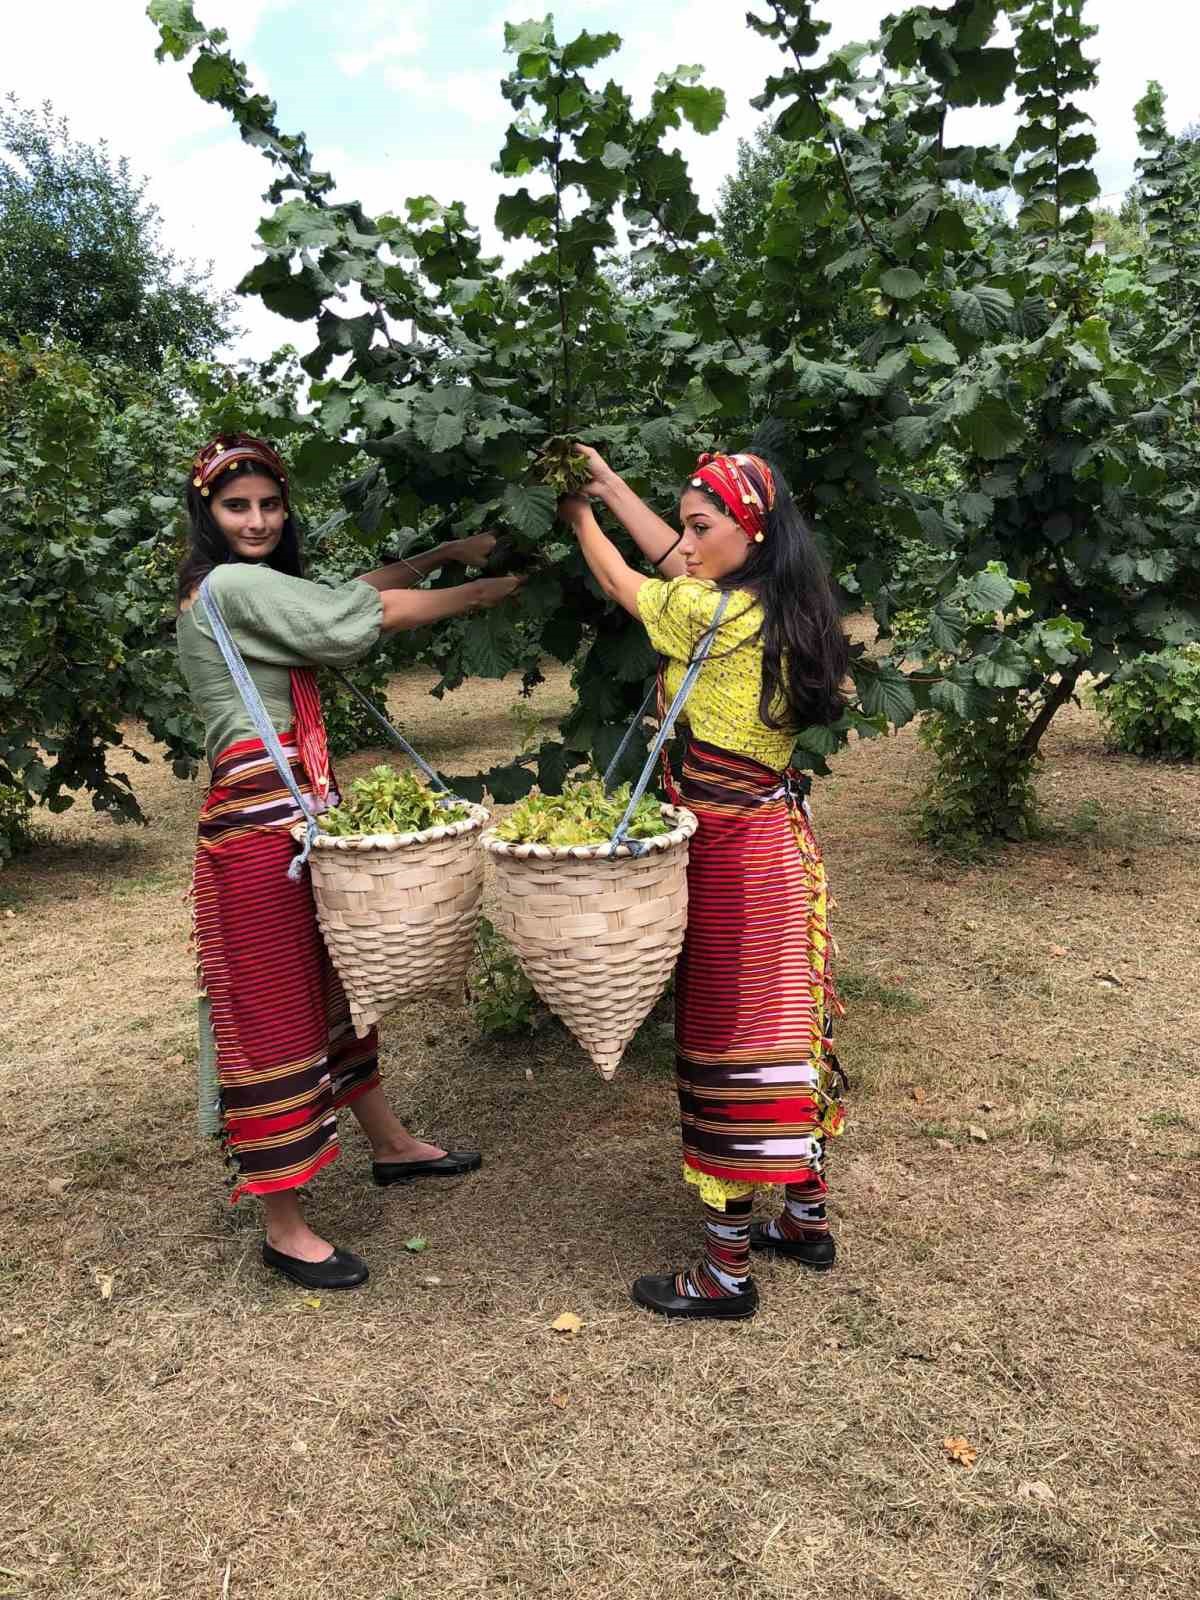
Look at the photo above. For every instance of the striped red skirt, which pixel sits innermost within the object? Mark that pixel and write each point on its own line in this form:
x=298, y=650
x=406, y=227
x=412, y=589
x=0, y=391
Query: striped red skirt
x=287, y=1056
x=759, y=1088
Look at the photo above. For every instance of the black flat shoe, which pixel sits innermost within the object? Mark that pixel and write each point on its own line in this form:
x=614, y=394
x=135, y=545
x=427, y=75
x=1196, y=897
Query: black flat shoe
x=340, y=1270
x=658, y=1294
x=819, y=1254
x=451, y=1165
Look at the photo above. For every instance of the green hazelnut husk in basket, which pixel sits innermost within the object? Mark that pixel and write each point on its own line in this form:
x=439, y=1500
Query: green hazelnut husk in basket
x=386, y=801
x=584, y=813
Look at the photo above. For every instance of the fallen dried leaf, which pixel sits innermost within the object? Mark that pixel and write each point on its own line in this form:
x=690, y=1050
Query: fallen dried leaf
x=980, y=1135
x=1036, y=1490
x=1058, y=949
x=432, y=1283
x=918, y=1094
x=943, y=1144
x=105, y=1282
x=960, y=1450
x=567, y=1323
x=559, y=1400
x=59, y=1185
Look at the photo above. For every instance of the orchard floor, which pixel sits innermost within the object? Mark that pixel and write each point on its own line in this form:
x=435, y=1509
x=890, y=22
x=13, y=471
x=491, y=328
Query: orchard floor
x=1016, y=1203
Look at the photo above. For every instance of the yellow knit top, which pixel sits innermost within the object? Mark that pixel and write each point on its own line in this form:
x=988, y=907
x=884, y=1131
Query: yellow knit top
x=723, y=708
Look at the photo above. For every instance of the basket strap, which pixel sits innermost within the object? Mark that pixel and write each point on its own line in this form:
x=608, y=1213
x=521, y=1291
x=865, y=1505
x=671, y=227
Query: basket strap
x=639, y=847
x=446, y=795
x=259, y=716
x=629, y=733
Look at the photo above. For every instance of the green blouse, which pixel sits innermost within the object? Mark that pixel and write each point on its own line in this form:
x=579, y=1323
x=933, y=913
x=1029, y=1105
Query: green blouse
x=277, y=623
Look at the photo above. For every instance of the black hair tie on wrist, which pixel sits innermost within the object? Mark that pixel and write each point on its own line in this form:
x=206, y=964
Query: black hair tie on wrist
x=667, y=552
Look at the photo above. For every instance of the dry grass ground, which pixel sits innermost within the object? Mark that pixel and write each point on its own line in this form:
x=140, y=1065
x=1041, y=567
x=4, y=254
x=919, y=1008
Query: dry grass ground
x=176, y=1423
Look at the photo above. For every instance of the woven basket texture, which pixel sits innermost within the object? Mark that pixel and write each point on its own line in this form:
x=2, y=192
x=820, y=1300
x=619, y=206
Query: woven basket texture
x=597, y=934
x=399, y=912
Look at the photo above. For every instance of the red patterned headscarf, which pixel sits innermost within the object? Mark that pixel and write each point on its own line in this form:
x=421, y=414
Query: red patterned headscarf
x=226, y=451
x=746, y=486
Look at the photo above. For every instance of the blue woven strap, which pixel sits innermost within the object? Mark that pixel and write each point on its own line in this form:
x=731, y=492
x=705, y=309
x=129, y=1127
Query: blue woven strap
x=447, y=795
x=260, y=717
x=639, y=847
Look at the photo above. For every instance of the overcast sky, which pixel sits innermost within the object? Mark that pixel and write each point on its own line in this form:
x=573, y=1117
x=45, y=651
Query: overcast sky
x=401, y=97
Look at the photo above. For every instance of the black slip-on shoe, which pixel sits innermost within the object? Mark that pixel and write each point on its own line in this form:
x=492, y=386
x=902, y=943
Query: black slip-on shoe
x=819, y=1254
x=452, y=1165
x=658, y=1294
x=339, y=1270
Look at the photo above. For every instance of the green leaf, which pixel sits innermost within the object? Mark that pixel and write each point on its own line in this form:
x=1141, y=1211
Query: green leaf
x=703, y=108
x=416, y=1244
x=990, y=591
x=446, y=432
x=529, y=509
x=521, y=36
x=901, y=283
x=991, y=429
x=982, y=310
x=884, y=691
x=1006, y=667
x=588, y=48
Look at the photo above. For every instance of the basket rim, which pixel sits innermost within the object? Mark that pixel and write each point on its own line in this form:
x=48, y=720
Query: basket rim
x=686, y=823
x=479, y=816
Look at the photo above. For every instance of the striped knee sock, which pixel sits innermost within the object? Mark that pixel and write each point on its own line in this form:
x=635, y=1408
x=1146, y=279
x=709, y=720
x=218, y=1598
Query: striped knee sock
x=725, y=1265
x=803, y=1215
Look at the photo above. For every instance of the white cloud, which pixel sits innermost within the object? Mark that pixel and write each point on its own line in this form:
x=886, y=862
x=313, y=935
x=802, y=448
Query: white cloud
x=407, y=41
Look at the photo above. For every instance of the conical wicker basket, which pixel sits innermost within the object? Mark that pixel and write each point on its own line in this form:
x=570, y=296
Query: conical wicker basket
x=597, y=932
x=398, y=911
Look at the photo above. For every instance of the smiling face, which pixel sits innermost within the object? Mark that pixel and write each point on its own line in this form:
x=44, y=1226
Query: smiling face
x=713, y=544
x=250, y=512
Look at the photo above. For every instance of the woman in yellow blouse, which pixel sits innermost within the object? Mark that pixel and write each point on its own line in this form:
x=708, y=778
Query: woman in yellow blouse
x=757, y=1080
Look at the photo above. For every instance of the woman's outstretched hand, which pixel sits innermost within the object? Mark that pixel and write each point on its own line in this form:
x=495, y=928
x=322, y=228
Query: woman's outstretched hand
x=603, y=477
x=489, y=592
x=473, y=551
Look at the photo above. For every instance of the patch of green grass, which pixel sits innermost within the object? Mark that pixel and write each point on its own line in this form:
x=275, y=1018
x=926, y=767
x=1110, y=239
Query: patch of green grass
x=1085, y=819
x=941, y=1130
x=145, y=883
x=864, y=988
x=1167, y=1119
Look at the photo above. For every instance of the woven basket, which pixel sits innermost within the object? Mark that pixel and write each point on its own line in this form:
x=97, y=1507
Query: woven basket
x=597, y=932
x=398, y=911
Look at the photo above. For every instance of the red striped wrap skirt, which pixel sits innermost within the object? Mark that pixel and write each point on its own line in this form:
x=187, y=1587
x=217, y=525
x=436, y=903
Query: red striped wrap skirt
x=287, y=1056
x=759, y=1088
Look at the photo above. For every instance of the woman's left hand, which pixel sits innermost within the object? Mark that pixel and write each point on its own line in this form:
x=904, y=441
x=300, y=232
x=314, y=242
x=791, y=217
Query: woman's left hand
x=572, y=509
x=473, y=551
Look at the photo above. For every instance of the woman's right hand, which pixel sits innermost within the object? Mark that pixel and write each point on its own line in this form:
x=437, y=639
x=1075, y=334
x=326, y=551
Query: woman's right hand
x=603, y=478
x=489, y=592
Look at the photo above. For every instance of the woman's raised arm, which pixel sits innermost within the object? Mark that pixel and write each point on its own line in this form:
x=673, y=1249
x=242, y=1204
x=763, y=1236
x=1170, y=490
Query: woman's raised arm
x=413, y=608
x=655, y=538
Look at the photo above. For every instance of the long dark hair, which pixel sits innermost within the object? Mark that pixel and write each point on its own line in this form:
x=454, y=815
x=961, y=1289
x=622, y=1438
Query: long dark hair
x=207, y=546
x=806, y=654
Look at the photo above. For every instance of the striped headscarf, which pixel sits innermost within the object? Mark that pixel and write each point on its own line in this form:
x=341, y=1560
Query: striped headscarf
x=745, y=485
x=228, y=450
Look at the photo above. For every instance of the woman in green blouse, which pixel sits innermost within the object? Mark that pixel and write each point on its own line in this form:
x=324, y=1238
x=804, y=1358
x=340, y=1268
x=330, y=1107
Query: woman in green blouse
x=287, y=1058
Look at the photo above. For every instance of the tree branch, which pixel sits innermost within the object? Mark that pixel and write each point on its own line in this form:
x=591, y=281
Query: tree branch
x=1058, y=698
